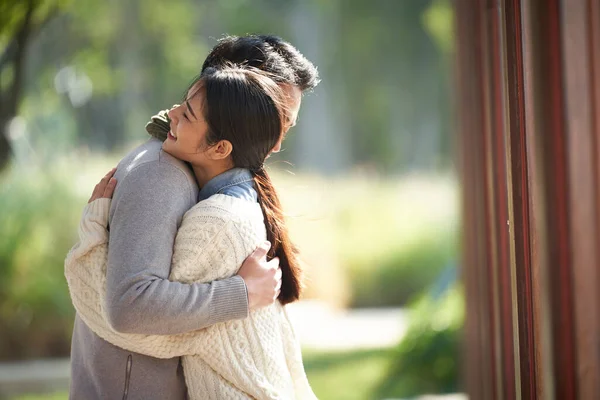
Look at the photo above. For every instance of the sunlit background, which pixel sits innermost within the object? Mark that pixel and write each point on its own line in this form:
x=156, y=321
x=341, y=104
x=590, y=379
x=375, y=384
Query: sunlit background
x=367, y=175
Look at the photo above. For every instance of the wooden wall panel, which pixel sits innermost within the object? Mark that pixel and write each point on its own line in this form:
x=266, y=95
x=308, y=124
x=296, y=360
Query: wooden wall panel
x=582, y=155
x=529, y=140
x=540, y=287
x=498, y=266
x=518, y=193
x=472, y=156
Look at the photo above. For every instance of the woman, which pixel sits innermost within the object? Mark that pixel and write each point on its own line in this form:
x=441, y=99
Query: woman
x=230, y=121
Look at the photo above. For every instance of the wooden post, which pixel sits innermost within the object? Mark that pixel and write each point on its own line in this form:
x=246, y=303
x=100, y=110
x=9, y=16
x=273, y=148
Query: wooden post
x=529, y=142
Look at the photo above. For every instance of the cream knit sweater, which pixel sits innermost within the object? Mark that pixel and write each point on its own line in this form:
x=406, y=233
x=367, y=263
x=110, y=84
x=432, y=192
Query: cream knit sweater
x=254, y=358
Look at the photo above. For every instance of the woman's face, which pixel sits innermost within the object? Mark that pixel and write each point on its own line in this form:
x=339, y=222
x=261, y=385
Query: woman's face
x=187, y=137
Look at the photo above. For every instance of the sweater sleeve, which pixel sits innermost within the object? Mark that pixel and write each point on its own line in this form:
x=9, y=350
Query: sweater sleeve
x=85, y=264
x=86, y=275
x=158, y=126
x=147, y=209
x=85, y=272
x=93, y=237
x=92, y=228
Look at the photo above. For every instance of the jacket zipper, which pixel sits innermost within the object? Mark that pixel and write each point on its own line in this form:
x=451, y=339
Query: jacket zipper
x=127, y=376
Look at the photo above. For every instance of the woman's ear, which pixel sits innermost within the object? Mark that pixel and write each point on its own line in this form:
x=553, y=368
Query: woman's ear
x=221, y=150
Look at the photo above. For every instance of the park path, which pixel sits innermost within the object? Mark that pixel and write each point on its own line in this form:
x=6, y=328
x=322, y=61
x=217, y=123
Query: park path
x=322, y=327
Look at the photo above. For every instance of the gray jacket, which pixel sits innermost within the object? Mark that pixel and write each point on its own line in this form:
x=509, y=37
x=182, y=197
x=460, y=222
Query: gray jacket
x=154, y=191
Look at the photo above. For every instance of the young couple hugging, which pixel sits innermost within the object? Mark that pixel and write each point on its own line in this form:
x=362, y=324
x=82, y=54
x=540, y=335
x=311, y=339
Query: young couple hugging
x=174, y=295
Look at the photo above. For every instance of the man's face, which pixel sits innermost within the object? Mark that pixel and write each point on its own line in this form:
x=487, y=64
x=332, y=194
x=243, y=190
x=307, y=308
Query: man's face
x=293, y=100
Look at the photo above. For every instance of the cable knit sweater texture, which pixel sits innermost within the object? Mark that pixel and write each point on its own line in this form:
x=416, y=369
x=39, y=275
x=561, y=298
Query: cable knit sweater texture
x=255, y=358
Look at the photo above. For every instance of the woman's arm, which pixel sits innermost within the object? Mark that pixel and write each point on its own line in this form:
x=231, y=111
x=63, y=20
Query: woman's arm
x=92, y=230
x=93, y=235
x=85, y=282
x=85, y=270
x=93, y=223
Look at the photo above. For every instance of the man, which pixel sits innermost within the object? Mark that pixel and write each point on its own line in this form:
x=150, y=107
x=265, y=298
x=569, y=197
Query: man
x=153, y=193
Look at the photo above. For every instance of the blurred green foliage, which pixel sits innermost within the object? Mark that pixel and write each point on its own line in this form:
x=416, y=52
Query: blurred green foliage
x=348, y=375
x=428, y=358
x=369, y=241
x=47, y=396
x=98, y=69
x=425, y=362
x=393, y=279
x=439, y=22
x=39, y=219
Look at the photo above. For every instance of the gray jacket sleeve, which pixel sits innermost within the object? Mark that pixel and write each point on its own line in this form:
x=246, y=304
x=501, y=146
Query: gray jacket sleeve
x=146, y=212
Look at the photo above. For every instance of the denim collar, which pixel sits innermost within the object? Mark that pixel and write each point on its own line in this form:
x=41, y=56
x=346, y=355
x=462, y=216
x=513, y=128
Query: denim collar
x=236, y=182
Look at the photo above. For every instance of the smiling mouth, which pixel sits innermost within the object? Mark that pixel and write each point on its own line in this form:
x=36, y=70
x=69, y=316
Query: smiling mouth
x=171, y=136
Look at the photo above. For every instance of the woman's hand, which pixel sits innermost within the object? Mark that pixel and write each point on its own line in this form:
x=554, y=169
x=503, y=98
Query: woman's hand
x=105, y=188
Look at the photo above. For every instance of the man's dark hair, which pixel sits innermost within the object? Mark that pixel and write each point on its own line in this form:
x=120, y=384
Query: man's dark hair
x=271, y=54
x=268, y=53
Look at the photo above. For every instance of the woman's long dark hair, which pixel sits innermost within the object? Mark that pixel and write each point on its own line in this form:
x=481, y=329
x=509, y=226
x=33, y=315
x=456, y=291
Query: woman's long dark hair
x=246, y=107
x=277, y=234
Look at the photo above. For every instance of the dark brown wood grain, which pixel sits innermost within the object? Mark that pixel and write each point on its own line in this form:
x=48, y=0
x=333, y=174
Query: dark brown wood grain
x=518, y=191
x=479, y=334
x=579, y=89
x=546, y=55
x=500, y=201
x=529, y=142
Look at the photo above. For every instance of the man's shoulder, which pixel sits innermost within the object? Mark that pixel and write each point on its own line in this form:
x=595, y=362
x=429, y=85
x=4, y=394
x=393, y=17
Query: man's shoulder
x=149, y=160
x=148, y=151
x=149, y=154
x=147, y=169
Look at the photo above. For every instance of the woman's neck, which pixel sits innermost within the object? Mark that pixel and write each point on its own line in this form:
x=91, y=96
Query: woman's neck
x=205, y=173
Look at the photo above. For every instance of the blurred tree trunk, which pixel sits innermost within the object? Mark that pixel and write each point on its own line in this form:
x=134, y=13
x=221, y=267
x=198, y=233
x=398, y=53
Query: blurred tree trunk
x=315, y=32
x=13, y=59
